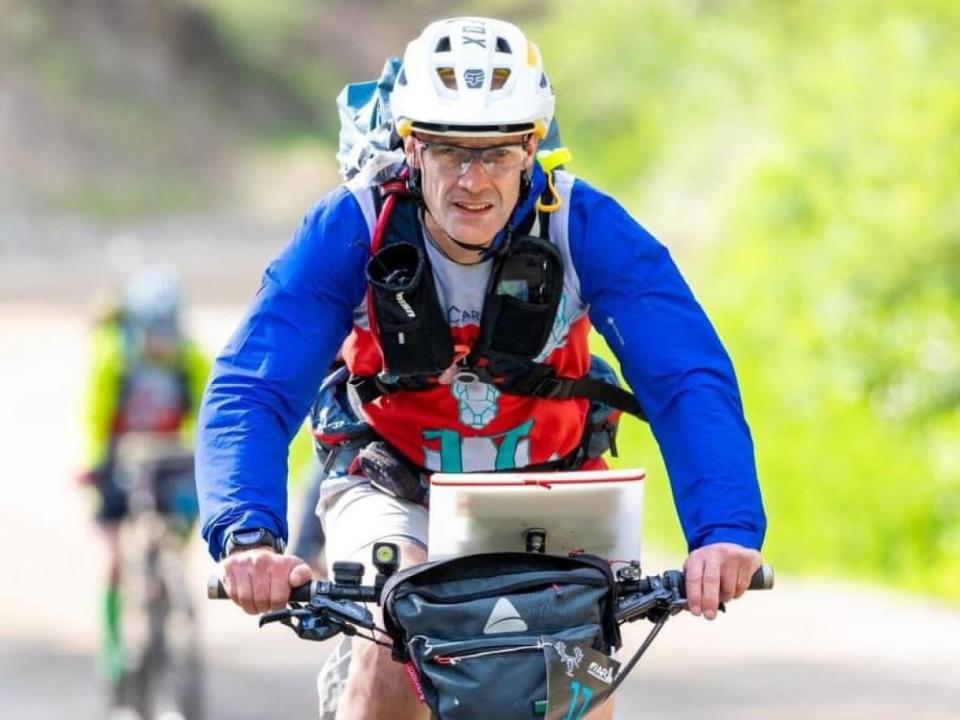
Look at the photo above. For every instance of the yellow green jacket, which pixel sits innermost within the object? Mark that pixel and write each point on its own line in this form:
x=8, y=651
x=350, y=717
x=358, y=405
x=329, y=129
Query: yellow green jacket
x=101, y=397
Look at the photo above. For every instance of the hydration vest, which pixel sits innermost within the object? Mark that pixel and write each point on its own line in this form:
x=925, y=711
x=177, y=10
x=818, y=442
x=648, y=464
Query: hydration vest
x=519, y=310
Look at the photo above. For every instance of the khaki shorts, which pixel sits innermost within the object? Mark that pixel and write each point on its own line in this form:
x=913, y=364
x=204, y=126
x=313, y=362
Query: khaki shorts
x=354, y=517
x=357, y=516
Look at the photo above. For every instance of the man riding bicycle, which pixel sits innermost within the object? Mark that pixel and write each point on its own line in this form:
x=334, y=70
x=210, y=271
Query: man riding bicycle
x=145, y=379
x=460, y=295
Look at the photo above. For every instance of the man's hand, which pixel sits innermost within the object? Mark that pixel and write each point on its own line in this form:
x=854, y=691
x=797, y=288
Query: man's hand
x=259, y=579
x=718, y=573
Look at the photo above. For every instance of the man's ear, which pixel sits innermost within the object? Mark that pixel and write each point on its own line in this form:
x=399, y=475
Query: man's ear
x=531, y=152
x=410, y=150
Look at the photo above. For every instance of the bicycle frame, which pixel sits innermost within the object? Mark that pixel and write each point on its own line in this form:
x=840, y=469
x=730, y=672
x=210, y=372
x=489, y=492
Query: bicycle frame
x=167, y=674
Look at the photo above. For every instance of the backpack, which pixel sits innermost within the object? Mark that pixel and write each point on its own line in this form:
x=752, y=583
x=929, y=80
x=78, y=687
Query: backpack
x=478, y=632
x=367, y=135
x=334, y=418
x=603, y=420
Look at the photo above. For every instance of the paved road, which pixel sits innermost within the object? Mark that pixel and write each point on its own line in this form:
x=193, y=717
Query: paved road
x=807, y=650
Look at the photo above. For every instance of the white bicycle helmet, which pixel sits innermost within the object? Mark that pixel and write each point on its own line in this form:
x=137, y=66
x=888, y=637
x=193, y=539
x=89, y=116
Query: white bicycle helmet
x=472, y=76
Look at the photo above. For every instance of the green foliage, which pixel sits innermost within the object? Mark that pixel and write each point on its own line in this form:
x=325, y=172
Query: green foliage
x=300, y=457
x=842, y=296
x=121, y=198
x=833, y=273
x=272, y=40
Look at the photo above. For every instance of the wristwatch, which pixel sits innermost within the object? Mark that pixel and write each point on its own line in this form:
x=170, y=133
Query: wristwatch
x=246, y=539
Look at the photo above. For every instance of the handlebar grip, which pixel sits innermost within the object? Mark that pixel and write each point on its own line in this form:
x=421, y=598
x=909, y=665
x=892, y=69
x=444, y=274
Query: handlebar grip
x=301, y=593
x=762, y=579
x=215, y=589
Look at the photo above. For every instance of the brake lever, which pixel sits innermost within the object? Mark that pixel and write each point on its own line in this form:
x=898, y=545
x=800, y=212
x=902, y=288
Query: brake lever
x=682, y=605
x=345, y=613
x=282, y=616
x=652, y=605
x=311, y=627
x=307, y=624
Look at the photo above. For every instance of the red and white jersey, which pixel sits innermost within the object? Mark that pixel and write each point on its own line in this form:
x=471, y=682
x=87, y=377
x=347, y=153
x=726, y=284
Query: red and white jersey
x=472, y=426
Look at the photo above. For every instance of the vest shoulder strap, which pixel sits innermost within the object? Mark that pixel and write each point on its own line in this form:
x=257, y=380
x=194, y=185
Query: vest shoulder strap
x=398, y=220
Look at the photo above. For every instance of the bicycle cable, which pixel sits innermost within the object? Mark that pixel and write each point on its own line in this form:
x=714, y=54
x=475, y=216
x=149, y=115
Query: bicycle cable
x=621, y=676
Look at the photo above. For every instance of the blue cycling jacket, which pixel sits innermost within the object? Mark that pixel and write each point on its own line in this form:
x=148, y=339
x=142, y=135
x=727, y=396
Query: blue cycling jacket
x=266, y=378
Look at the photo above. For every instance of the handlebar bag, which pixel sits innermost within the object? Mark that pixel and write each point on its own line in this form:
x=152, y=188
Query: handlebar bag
x=477, y=628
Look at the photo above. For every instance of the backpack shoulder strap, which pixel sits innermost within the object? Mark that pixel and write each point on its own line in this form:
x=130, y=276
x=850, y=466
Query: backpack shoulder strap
x=397, y=214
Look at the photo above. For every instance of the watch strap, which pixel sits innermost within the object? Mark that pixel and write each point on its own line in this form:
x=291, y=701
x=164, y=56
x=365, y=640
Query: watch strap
x=252, y=538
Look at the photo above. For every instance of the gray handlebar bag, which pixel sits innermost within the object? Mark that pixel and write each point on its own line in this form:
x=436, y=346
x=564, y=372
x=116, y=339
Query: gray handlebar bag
x=477, y=628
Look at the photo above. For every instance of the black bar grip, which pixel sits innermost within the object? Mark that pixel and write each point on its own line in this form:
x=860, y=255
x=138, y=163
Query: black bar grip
x=762, y=579
x=301, y=593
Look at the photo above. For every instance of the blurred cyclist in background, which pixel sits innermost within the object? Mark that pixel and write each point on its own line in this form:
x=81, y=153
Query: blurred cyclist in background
x=145, y=377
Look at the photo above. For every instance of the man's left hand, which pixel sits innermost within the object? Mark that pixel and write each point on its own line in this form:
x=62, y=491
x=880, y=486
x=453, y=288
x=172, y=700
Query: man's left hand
x=717, y=574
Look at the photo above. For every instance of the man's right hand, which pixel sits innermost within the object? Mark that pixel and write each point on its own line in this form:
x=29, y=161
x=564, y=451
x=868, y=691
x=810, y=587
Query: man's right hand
x=259, y=579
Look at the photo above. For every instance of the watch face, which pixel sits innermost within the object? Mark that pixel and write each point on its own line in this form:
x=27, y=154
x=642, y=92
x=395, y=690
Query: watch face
x=247, y=537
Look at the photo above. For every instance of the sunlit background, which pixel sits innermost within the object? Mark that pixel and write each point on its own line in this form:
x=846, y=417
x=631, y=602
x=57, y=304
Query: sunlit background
x=801, y=159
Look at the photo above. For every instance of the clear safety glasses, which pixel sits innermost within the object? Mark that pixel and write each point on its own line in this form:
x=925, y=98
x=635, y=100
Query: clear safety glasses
x=454, y=160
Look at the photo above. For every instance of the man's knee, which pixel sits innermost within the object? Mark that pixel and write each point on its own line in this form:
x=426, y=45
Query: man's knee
x=366, y=657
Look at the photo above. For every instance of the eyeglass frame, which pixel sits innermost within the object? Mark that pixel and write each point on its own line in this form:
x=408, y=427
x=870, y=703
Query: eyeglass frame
x=475, y=153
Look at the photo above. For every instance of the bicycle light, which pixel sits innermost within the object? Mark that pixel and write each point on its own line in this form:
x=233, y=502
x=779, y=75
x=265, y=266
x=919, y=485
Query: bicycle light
x=386, y=558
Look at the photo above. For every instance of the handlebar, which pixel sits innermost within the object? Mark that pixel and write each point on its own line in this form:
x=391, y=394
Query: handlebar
x=306, y=592
x=320, y=610
x=654, y=596
x=629, y=585
x=631, y=582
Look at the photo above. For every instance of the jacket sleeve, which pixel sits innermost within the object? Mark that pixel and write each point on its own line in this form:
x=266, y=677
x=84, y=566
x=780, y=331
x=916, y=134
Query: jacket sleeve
x=263, y=382
x=675, y=363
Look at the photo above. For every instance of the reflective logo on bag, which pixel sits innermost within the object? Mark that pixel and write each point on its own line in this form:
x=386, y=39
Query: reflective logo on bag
x=504, y=618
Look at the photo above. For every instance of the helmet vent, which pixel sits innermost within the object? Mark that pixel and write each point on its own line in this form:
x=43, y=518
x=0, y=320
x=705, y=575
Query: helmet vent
x=503, y=46
x=443, y=44
x=543, y=80
x=500, y=77
x=402, y=77
x=448, y=76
